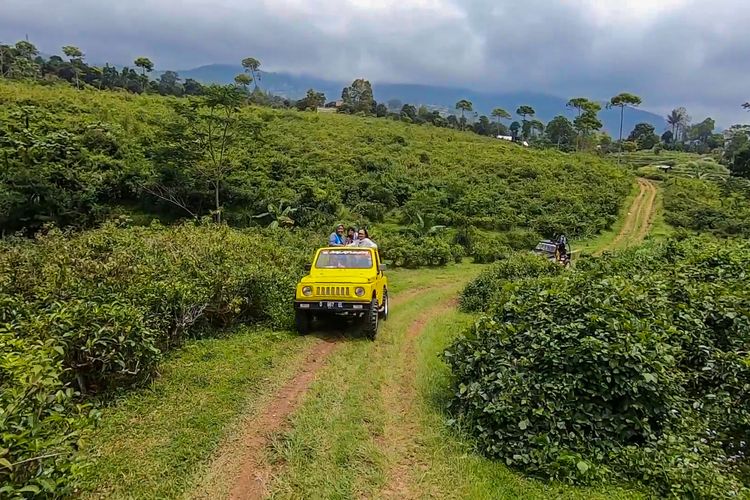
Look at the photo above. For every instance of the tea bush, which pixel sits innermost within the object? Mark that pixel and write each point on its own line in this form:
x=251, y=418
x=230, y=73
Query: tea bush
x=618, y=371
x=116, y=298
x=96, y=311
x=40, y=421
x=721, y=208
x=480, y=292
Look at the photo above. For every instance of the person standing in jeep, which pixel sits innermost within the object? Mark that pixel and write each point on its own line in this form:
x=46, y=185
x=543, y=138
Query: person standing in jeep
x=337, y=238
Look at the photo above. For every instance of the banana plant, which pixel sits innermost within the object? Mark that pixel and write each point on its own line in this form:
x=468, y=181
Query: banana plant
x=281, y=215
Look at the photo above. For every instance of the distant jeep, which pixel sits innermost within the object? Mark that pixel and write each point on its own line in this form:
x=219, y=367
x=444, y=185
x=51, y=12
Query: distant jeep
x=344, y=282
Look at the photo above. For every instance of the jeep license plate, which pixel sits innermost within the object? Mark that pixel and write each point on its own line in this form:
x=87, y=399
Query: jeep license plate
x=333, y=305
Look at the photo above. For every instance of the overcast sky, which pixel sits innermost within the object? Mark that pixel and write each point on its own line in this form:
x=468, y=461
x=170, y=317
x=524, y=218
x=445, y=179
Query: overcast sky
x=671, y=52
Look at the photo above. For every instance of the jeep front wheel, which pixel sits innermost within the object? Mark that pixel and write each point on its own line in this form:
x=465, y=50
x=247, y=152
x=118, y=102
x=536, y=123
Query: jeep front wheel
x=371, y=320
x=302, y=320
x=384, y=313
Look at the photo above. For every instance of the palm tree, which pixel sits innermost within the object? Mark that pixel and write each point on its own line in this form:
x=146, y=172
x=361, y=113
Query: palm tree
x=464, y=105
x=499, y=113
x=678, y=119
x=622, y=101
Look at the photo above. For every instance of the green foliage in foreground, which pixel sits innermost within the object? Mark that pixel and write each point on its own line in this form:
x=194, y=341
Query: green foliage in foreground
x=633, y=367
x=96, y=311
x=76, y=157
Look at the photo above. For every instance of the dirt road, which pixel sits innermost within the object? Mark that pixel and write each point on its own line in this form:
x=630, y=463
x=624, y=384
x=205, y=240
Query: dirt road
x=639, y=218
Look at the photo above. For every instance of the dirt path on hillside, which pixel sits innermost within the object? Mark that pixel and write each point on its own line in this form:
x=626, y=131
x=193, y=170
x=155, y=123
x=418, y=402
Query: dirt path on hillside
x=400, y=396
x=639, y=219
x=240, y=470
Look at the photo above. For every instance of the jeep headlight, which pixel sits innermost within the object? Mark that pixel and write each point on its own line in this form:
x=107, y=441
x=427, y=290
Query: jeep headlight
x=359, y=291
x=306, y=291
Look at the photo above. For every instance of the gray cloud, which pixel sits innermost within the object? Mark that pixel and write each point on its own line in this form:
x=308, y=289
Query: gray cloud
x=672, y=53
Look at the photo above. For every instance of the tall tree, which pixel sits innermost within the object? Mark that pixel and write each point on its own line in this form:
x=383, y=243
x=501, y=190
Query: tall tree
x=525, y=111
x=622, y=101
x=500, y=113
x=584, y=106
x=464, y=105
x=145, y=64
x=76, y=57
x=578, y=103
x=358, y=97
x=22, y=62
x=214, y=130
x=252, y=65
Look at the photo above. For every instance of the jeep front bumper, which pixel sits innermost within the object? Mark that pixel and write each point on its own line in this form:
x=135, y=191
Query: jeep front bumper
x=331, y=306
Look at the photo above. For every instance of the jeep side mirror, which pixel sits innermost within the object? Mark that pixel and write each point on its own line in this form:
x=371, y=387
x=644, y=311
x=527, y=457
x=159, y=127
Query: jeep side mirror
x=381, y=267
x=308, y=267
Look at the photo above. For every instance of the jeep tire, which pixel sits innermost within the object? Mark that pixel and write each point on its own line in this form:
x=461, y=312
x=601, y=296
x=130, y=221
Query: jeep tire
x=302, y=320
x=384, y=313
x=371, y=320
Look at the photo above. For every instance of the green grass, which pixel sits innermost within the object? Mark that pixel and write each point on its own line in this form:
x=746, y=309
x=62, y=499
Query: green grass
x=152, y=441
x=456, y=470
x=660, y=228
x=605, y=238
x=157, y=441
x=335, y=446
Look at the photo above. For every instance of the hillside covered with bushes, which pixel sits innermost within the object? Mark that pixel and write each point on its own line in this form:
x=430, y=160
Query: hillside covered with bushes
x=77, y=157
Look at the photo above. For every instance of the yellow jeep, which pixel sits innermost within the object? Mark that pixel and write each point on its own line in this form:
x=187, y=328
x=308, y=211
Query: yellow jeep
x=345, y=281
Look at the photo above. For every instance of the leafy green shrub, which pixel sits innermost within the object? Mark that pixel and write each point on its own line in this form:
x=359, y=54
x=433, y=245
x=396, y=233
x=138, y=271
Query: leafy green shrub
x=115, y=298
x=40, y=423
x=489, y=249
x=707, y=206
x=418, y=251
x=522, y=239
x=618, y=371
x=479, y=293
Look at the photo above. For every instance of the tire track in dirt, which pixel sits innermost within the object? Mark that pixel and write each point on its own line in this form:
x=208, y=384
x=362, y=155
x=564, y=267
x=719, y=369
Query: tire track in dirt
x=639, y=218
x=240, y=469
x=649, y=211
x=400, y=396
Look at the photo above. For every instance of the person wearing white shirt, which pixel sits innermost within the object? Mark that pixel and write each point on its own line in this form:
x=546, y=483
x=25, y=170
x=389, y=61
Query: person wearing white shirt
x=364, y=240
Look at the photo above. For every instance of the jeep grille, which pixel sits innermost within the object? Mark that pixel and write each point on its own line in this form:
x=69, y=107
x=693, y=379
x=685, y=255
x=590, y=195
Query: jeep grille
x=334, y=291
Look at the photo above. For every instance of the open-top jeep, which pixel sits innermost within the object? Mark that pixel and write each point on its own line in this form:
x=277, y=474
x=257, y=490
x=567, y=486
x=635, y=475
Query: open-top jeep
x=348, y=281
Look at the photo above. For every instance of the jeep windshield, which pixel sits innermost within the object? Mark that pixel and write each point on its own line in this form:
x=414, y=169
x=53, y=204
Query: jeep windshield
x=344, y=259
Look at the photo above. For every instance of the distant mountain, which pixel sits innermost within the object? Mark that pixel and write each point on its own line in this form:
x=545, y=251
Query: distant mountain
x=546, y=106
